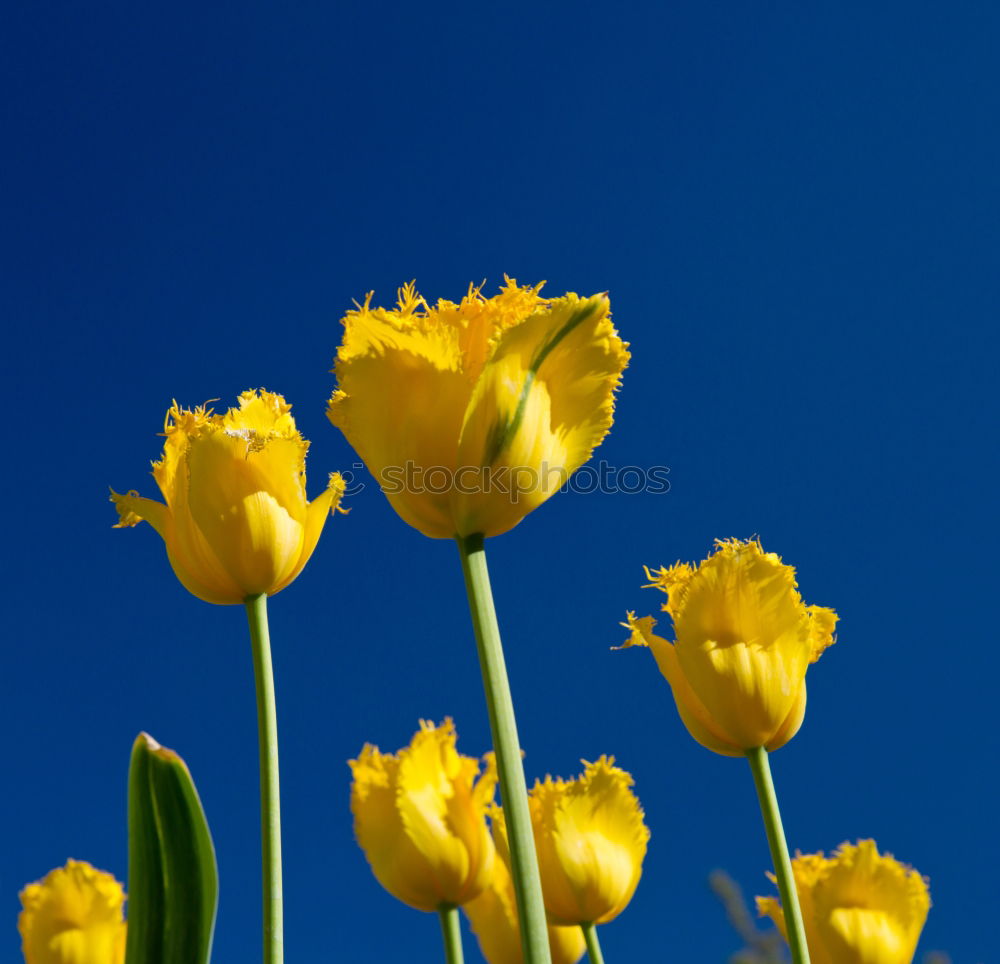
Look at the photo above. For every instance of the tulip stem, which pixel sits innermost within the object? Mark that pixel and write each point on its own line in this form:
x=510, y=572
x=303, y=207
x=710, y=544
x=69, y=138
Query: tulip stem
x=270, y=806
x=514, y=794
x=594, y=954
x=761, y=769
x=451, y=930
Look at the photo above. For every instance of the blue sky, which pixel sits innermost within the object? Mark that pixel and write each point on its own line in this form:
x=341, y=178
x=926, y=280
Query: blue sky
x=794, y=209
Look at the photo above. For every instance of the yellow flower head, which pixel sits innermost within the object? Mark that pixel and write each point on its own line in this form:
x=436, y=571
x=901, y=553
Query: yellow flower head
x=236, y=521
x=420, y=818
x=73, y=916
x=744, y=641
x=472, y=414
x=858, y=907
x=591, y=841
x=494, y=920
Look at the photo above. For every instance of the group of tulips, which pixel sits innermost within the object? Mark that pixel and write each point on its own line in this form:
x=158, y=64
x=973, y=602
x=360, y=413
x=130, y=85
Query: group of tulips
x=514, y=386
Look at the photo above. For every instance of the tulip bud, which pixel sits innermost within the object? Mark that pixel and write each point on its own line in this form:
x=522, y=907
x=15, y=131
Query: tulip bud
x=744, y=642
x=73, y=916
x=236, y=522
x=591, y=841
x=858, y=907
x=420, y=817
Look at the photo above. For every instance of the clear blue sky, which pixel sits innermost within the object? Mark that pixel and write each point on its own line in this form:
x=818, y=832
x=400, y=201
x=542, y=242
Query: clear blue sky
x=794, y=208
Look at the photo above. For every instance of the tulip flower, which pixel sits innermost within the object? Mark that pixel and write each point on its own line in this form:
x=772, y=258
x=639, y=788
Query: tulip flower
x=591, y=841
x=73, y=916
x=859, y=907
x=493, y=916
x=472, y=414
x=744, y=642
x=738, y=669
x=420, y=818
x=238, y=528
x=236, y=522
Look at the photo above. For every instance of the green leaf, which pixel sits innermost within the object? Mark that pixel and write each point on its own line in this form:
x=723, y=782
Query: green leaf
x=173, y=883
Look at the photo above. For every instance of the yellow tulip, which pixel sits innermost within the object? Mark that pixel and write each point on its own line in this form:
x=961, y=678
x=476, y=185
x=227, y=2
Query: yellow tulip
x=591, y=841
x=858, y=907
x=420, y=818
x=73, y=916
x=236, y=521
x=493, y=915
x=470, y=415
x=744, y=642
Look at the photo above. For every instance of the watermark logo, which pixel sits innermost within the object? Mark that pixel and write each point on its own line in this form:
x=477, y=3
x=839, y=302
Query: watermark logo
x=512, y=482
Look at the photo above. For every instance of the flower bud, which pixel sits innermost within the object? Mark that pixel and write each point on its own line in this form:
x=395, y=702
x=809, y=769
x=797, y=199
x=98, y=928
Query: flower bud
x=236, y=522
x=420, y=817
x=591, y=841
x=744, y=642
x=73, y=916
x=858, y=907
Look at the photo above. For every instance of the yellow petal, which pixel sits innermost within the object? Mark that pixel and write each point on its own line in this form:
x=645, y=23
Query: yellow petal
x=807, y=870
x=478, y=323
x=484, y=791
x=771, y=907
x=179, y=427
x=410, y=329
x=740, y=594
x=822, y=622
x=395, y=860
x=747, y=690
x=194, y=561
x=437, y=807
x=866, y=937
x=566, y=944
x=494, y=920
x=133, y=509
x=402, y=412
x=273, y=447
x=234, y=504
x=190, y=556
x=792, y=723
x=317, y=513
x=543, y=402
x=493, y=916
x=692, y=713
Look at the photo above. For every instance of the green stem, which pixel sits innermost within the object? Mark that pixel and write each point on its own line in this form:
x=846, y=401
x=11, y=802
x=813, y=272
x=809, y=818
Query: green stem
x=451, y=931
x=594, y=954
x=270, y=806
x=524, y=863
x=761, y=769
